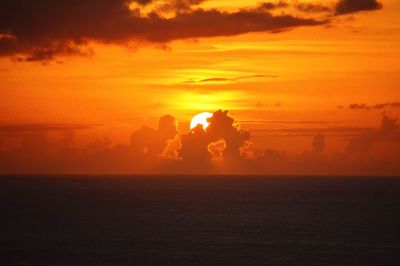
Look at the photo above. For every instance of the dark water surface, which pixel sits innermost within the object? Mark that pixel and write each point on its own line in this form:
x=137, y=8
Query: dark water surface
x=156, y=220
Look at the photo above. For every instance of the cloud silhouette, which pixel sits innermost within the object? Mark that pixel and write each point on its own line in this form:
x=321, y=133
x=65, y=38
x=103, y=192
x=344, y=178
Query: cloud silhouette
x=222, y=126
x=351, y=6
x=221, y=140
x=389, y=131
x=302, y=7
x=194, y=148
x=313, y=8
x=39, y=30
x=378, y=106
x=222, y=148
x=152, y=142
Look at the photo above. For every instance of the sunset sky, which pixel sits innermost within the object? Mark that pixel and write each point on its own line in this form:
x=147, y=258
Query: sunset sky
x=300, y=77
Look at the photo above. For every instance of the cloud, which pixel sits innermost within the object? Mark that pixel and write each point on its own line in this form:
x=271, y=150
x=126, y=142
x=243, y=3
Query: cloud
x=389, y=131
x=151, y=142
x=194, y=151
x=274, y=155
x=217, y=79
x=221, y=140
x=165, y=6
x=283, y=122
x=43, y=127
x=312, y=8
x=341, y=7
x=39, y=151
x=43, y=29
x=224, y=127
x=318, y=143
x=313, y=161
x=222, y=148
x=171, y=149
x=273, y=5
x=351, y=6
x=302, y=7
x=378, y=106
x=310, y=131
x=217, y=150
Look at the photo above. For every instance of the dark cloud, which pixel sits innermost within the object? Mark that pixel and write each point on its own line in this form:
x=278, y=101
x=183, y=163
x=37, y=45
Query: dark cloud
x=302, y=7
x=224, y=127
x=39, y=30
x=312, y=8
x=339, y=8
x=351, y=6
x=378, y=106
x=172, y=5
x=273, y=5
x=222, y=139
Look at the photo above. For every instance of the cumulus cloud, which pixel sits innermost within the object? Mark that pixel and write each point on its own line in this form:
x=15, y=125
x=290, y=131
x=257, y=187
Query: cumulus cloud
x=389, y=131
x=223, y=147
x=151, y=142
x=217, y=150
x=194, y=147
x=222, y=126
x=222, y=139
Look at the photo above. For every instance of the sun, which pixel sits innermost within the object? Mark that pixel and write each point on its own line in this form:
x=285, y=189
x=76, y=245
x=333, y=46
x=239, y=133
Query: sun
x=200, y=119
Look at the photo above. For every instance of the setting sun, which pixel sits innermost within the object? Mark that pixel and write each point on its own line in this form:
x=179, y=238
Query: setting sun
x=200, y=119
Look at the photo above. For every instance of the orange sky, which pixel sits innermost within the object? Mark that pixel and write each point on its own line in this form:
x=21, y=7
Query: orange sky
x=284, y=86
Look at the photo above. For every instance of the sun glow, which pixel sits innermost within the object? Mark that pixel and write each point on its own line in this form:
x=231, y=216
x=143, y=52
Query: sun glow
x=200, y=119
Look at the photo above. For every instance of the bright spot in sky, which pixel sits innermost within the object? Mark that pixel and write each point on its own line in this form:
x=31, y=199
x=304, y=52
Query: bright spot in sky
x=200, y=119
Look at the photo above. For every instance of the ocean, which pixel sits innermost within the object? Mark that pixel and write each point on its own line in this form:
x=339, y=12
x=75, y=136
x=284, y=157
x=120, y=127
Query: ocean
x=199, y=220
